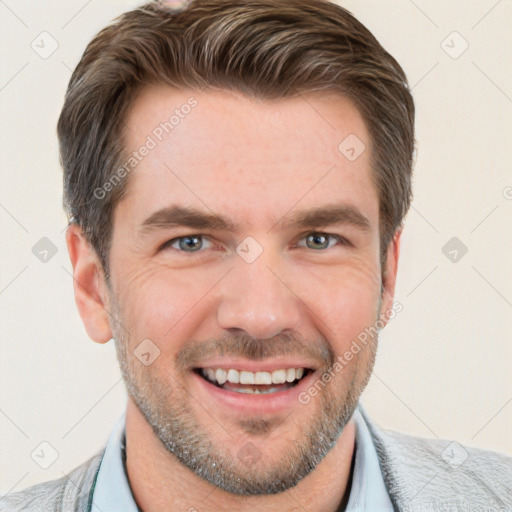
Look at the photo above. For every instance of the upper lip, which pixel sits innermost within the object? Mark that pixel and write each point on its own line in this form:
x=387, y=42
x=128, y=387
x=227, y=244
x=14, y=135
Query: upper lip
x=258, y=366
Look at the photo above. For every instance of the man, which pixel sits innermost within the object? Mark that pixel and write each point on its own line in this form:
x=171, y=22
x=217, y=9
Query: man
x=236, y=176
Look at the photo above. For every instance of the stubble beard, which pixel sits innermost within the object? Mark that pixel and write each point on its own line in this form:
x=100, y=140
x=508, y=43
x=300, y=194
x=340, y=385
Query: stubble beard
x=168, y=409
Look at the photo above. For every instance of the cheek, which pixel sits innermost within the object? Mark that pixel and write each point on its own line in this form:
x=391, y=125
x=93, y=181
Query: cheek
x=346, y=300
x=159, y=303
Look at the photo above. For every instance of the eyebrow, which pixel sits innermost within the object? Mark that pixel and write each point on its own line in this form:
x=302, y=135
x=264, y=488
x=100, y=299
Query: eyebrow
x=179, y=216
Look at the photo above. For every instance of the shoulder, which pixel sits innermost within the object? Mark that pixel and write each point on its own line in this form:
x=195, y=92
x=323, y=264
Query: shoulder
x=69, y=493
x=445, y=475
x=434, y=475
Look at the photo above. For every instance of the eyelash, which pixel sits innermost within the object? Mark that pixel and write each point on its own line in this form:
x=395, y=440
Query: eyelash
x=341, y=240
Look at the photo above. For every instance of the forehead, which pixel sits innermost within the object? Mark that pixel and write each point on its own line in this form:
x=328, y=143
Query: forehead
x=222, y=150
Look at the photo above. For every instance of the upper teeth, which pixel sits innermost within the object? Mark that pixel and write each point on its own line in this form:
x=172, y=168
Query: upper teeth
x=281, y=376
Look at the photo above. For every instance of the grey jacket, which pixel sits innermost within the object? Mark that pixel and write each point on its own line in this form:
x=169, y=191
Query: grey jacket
x=421, y=475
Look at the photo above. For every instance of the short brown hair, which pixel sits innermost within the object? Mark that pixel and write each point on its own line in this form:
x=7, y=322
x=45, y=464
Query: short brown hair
x=268, y=49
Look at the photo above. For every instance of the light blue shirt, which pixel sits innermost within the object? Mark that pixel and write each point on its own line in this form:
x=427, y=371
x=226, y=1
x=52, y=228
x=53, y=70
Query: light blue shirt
x=368, y=493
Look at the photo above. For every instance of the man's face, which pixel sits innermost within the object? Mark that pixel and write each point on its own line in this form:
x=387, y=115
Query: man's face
x=262, y=293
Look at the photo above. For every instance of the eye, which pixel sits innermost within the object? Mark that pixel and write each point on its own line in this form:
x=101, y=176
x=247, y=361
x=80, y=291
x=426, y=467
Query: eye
x=319, y=241
x=187, y=243
x=196, y=243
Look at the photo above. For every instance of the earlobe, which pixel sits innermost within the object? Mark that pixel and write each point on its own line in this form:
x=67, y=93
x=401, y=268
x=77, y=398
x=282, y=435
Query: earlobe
x=89, y=285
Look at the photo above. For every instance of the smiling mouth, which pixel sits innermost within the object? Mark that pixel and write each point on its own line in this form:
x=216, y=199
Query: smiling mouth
x=241, y=381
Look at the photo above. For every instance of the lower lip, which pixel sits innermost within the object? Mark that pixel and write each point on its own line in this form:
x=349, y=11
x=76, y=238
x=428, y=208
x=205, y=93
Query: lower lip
x=246, y=403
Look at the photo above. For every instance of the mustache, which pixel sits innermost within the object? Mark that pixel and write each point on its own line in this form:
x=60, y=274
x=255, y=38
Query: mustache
x=244, y=346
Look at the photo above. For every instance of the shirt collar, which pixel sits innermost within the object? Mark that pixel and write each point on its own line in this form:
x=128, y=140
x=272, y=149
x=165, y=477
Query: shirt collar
x=368, y=491
x=112, y=492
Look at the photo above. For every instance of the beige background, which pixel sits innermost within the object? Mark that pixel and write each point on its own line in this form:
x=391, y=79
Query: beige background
x=443, y=368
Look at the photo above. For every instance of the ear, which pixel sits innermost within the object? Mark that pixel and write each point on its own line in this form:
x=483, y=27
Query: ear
x=90, y=288
x=389, y=274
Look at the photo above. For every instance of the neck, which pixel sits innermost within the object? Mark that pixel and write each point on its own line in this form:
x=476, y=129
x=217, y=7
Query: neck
x=160, y=482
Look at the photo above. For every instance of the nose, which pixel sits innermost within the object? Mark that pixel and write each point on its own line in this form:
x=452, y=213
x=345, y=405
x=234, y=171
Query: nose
x=256, y=298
